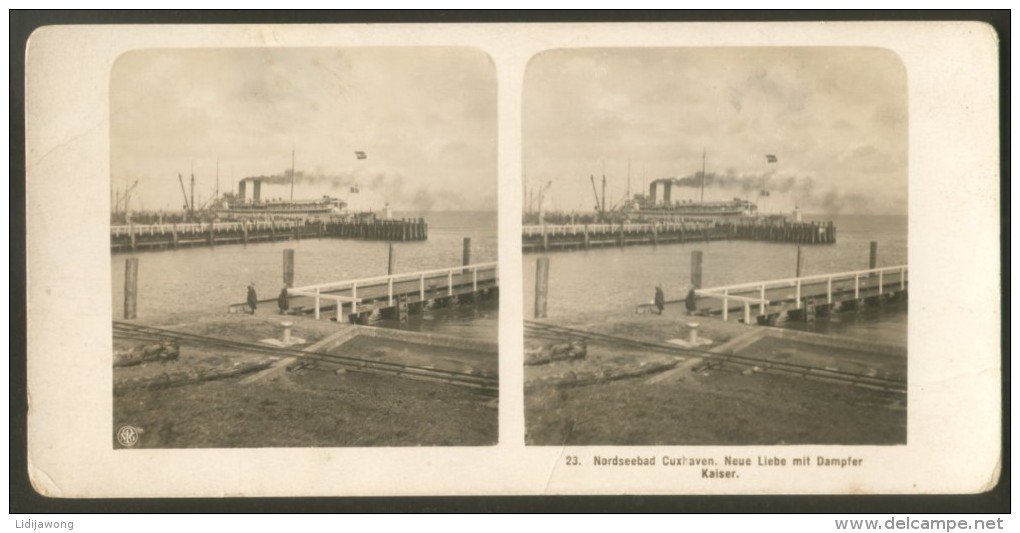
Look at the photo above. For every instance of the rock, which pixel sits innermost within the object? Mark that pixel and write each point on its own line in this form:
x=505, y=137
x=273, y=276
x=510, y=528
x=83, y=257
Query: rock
x=136, y=355
x=340, y=371
x=747, y=372
x=567, y=351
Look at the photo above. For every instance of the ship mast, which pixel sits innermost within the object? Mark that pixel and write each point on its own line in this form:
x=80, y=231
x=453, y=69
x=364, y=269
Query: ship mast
x=702, y=175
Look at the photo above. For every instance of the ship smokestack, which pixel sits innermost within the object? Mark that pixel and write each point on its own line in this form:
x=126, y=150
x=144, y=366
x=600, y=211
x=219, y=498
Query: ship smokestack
x=257, y=191
x=241, y=186
x=651, y=191
x=667, y=193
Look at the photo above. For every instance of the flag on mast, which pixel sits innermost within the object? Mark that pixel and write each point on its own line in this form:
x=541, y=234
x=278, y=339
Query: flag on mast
x=771, y=158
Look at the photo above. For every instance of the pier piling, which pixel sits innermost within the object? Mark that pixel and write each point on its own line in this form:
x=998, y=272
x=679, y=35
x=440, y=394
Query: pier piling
x=391, y=267
x=696, y=269
x=288, y=267
x=130, y=288
x=541, y=286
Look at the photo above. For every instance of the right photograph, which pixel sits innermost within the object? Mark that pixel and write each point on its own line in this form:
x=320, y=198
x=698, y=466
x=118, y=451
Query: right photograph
x=715, y=246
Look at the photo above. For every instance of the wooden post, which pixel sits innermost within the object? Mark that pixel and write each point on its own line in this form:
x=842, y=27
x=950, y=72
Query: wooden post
x=800, y=262
x=696, y=269
x=288, y=268
x=873, y=256
x=130, y=288
x=467, y=252
x=541, y=286
x=391, y=267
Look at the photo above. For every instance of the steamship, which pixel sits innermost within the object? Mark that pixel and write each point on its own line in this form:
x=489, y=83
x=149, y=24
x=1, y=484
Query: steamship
x=256, y=207
x=654, y=207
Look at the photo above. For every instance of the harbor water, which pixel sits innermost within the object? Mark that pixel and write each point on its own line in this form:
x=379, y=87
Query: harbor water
x=207, y=280
x=618, y=279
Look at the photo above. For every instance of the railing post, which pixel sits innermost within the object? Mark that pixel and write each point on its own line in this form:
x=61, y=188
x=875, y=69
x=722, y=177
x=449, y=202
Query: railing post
x=880, y=282
x=798, y=293
x=903, y=278
x=725, y=305
x=857, y=285
x=421, y=288
x=747, y=312
x=449, y=282
x=354, y=298
x=339, y=311
x=828, y=292
x=389, y=284
x=316, y=303
x=474, y=279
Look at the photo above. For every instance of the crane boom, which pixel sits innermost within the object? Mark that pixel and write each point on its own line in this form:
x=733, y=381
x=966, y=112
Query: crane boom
x=187, y=206
x=594, y=189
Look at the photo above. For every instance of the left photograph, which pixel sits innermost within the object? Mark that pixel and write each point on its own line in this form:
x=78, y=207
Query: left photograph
x=304, y=247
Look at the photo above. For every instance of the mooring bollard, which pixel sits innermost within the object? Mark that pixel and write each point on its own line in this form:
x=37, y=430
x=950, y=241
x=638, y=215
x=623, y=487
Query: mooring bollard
x=692, y=333
x=286, y=332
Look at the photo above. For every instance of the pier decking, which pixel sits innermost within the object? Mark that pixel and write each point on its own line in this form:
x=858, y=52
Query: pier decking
x=544, y=238
x=804, y=296
x=393, y=296
x=136, y=237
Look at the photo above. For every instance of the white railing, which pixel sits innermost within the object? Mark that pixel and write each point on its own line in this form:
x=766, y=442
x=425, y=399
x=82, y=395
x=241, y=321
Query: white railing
x=724, y=292
x=141, y=230
x=554, y=230
x=319, y=291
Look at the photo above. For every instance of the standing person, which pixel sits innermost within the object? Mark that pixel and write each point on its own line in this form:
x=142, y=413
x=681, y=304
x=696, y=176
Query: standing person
x=660, y=298
x=253, y=298
x=691, y=302
x=282, y=301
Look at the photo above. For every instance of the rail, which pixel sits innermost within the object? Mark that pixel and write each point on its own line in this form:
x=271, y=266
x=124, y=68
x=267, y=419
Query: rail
x=142, y=230
x=724, y=292
x=320, y=291
x=554, y=230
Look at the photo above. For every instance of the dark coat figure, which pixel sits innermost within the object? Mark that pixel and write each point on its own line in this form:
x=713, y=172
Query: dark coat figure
x=691, y=302
x=660, y=299
x=283, y=301
x=253, y=299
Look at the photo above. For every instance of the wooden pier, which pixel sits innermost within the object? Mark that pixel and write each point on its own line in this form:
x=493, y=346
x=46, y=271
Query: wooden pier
x=392, y=296
x=137, y=237
x=544, y=238
x=802, y=297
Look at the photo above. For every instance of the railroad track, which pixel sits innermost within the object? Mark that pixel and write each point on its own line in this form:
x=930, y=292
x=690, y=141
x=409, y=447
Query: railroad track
x=481, y=382
x=551, y=331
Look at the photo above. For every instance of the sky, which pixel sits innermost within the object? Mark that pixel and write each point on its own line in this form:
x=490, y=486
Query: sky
x=835, y=118
x=425, y=117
